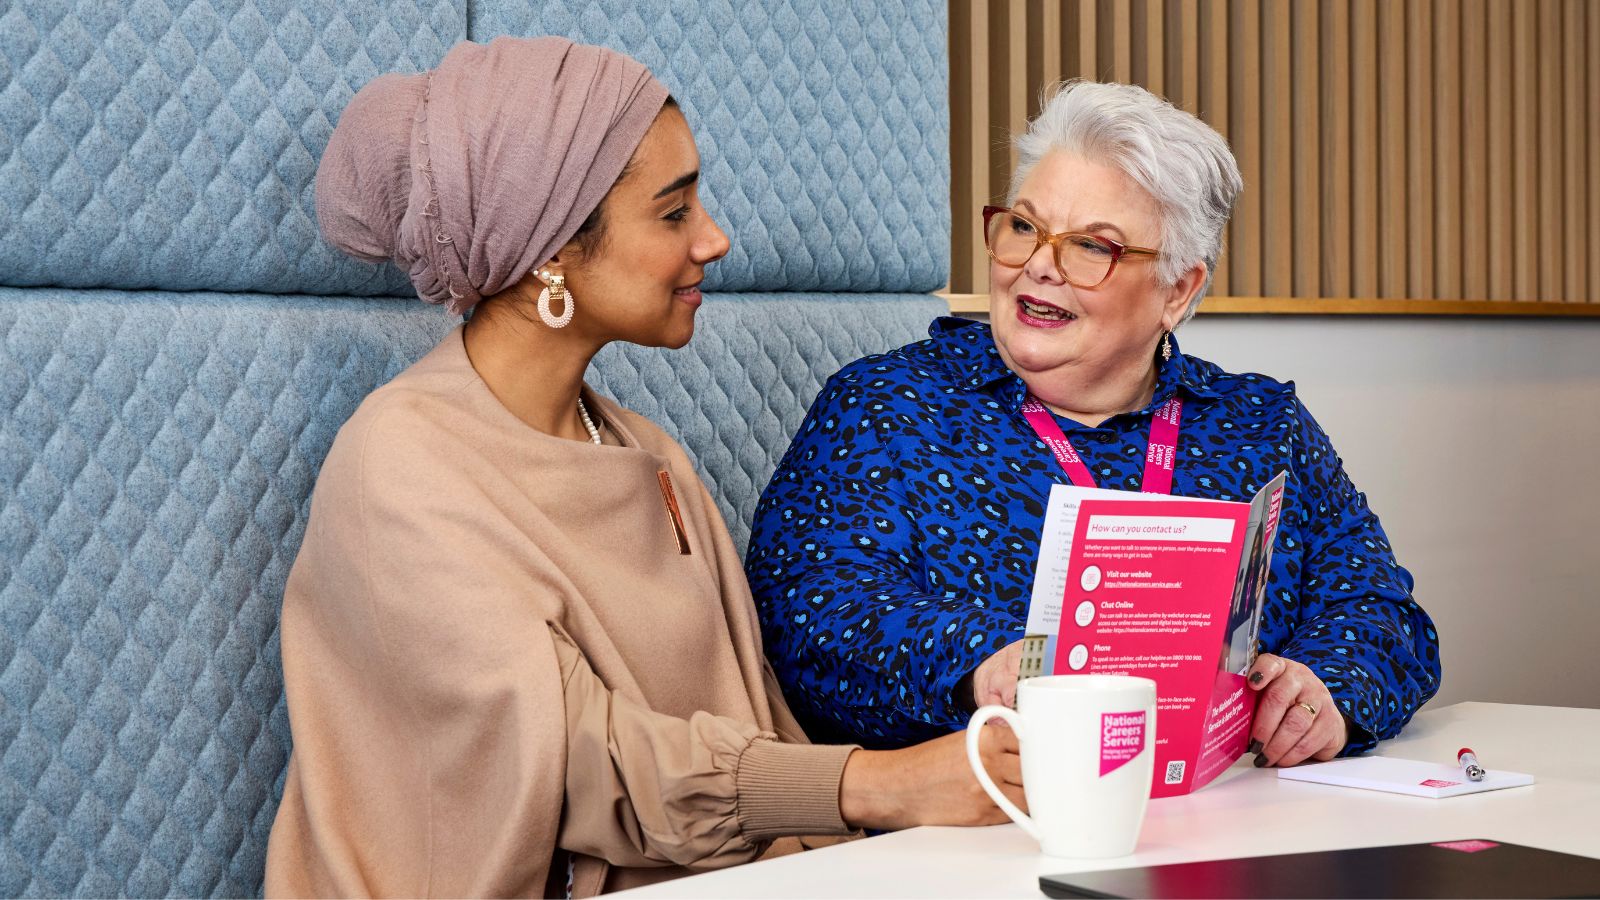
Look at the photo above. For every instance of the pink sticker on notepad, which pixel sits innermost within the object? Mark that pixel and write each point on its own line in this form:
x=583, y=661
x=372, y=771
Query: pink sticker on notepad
x=1436, y=783
x=1468, y=846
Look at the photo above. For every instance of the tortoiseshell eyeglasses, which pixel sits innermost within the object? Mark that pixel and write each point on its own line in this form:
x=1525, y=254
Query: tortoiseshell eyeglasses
x=1084, y=260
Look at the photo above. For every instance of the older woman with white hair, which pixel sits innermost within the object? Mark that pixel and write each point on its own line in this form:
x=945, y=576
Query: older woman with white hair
x=894, y=550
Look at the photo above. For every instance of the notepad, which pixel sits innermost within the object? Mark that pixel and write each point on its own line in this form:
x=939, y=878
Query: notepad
x=1402, y=776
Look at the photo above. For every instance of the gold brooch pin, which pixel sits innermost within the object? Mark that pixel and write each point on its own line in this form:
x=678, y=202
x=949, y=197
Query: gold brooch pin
x=671, y=499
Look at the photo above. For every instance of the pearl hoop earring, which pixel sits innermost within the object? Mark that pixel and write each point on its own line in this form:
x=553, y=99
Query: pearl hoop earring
x=555, y=289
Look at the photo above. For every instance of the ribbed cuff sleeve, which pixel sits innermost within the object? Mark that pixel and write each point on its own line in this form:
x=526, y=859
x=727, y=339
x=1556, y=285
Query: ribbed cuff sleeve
x=790, y=789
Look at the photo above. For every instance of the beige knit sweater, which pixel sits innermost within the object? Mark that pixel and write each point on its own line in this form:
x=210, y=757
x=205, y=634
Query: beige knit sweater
x=495, y=649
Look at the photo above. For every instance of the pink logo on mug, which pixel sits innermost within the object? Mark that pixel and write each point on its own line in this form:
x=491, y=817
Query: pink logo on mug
x=1121, y=739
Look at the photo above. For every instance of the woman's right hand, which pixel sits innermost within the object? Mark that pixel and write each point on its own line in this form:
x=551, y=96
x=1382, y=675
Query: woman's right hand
x=930, y=783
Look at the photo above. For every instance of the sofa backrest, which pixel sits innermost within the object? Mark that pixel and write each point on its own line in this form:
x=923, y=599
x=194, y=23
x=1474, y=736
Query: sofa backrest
x=178, y=349
x=165, y=144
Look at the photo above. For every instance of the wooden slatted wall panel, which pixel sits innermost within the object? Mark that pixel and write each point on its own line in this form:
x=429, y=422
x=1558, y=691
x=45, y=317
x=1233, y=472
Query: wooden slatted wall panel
x=1419, y=150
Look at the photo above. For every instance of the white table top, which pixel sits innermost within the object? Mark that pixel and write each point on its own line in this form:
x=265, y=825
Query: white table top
x=1245, y=812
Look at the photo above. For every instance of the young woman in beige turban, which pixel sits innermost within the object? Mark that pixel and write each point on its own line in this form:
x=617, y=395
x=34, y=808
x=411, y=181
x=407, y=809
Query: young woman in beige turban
x=519, y=651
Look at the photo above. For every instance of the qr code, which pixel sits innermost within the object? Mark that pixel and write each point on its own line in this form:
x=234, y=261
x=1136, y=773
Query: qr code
x=1175, y=772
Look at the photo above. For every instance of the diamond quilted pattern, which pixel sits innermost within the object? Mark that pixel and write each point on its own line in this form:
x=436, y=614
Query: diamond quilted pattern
x=823, y=127
x=157, y=453
x=172, y=144
x=738, y=393
x=156, y=458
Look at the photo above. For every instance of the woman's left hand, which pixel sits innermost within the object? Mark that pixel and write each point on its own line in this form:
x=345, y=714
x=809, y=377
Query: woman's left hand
x=1296, y=718
x=994, y=682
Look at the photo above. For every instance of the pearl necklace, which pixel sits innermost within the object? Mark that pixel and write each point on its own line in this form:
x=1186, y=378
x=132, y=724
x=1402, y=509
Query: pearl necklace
x=588, y=423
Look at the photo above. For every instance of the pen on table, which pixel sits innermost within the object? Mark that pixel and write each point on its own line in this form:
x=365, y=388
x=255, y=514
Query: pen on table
x=1468, y=761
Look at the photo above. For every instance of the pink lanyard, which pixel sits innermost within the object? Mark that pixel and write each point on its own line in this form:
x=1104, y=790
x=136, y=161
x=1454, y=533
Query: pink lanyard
x=1158, y=459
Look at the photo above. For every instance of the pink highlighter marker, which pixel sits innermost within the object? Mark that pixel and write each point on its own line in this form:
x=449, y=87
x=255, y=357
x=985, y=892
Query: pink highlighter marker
x=1468, y=761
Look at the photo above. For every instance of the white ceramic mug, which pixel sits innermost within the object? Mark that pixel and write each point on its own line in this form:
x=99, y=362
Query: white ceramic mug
x=1088, y=745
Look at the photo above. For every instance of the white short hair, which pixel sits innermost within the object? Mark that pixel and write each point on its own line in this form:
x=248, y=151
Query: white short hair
x=1181, y=161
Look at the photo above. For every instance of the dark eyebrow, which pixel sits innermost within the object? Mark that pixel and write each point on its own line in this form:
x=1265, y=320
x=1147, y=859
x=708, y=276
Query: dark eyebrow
x=682, y=182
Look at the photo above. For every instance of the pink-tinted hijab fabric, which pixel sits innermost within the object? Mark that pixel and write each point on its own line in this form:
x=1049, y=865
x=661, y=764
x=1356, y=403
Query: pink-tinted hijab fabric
x=470, y=175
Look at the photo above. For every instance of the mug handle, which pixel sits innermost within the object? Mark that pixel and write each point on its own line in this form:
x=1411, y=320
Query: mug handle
x=974, y=735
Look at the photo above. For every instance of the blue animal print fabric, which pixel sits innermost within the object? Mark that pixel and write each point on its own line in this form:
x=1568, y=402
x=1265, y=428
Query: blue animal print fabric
x=895, y=547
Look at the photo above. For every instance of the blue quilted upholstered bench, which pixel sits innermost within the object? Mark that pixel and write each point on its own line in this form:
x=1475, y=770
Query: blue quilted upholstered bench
x=178, y=348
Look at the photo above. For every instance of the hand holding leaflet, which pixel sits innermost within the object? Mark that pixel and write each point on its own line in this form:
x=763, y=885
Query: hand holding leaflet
x=1167, y=588
x=1296, y=717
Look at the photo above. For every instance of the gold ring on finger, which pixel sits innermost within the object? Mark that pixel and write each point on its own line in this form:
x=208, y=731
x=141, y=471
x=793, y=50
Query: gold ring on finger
x=1308, y=708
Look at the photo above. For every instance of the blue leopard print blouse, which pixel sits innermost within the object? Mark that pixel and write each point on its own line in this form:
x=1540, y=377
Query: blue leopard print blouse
x=894, y=549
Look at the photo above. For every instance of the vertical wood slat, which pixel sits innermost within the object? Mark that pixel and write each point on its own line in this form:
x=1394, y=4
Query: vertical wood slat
x=996, y=161
x=1364, y=156
x=1120, y=23
x=1337, y=145
x=1183, y=54
x=1277, y=174
x=1080, y=47
x=1244, y=72
x=1009, y=61
x=1419, y=148
x=1034, y=47
x=1008, y=97
x=1116, y=41
x=1550, y=150
x=1307, y=120
x=1392, y=226
x=1150, y=45
x=1524, y=115
x=1045, y=63
x=1498, y=224
x=1214, y=109
x=1574, y=148
x=1156, y=32
x=1474, y=150
x=1447, y=148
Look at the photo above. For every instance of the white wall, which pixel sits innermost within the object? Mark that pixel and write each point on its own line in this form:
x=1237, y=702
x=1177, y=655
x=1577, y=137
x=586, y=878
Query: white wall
x=1476, y=443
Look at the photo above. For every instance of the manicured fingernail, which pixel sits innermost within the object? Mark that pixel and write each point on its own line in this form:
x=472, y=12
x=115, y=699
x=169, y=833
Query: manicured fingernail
x=1255, y=677
x=1255, y=747
x=1261, y=760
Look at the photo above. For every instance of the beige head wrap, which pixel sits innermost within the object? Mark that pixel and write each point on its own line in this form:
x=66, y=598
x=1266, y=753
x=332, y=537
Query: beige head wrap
x=469, y=176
